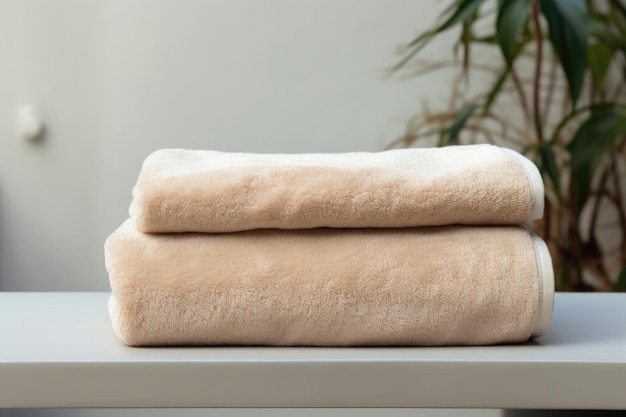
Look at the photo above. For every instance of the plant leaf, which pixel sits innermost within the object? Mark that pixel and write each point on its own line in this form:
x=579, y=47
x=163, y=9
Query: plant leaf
x=589, y=145
x=603, y=33
x=512, y=17
x=450, y=135
x=466, y=38
x=567, y=23
x=422, y=41
x=548, y=164
x=620, y=284
x=495, y=90
x=464, y=10
x=620, y=7
x=489, y=39
x=600, y=57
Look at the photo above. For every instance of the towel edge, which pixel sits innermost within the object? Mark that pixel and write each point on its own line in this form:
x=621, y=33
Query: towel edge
x=536, y=184
x=546, y=277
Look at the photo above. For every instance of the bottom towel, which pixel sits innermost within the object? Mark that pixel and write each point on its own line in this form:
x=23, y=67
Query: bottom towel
x=434, y=286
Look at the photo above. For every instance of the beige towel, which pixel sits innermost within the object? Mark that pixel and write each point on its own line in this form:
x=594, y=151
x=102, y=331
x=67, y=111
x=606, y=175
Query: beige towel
x=206, y=191
x=449, y=285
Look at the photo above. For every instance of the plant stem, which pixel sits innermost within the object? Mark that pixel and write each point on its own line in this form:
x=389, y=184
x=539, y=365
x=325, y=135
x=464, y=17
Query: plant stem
x=520, y=92
x=619, y=204
x=600, y=193
x=547, y=104
x=592, y=253
x=538, y=60
x=506, y=124
x=569, y=116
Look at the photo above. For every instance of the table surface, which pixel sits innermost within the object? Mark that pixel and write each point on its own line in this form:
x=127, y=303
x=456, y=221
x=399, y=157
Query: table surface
x=58, y=350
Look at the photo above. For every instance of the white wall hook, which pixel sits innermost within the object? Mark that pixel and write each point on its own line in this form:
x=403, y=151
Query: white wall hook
x=30, y=126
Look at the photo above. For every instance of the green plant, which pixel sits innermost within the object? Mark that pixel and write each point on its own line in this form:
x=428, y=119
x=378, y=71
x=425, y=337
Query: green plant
x=555, y=72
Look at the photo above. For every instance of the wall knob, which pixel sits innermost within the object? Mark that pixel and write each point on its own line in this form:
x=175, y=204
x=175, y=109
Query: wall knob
x=30, y=126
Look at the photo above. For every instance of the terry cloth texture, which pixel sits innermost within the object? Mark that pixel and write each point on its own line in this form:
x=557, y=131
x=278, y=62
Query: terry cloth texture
x=448, y=285
x=208, y=191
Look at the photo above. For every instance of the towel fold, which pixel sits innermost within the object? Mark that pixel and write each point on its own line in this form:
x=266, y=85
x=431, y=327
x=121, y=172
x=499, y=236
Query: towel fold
x=449, y=285
x=207, y=191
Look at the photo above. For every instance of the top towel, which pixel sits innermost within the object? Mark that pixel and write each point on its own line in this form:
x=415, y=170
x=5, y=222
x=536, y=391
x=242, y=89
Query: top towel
x=208, y=191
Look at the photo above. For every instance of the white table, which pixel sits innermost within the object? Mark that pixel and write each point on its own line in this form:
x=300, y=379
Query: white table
x=58, y=350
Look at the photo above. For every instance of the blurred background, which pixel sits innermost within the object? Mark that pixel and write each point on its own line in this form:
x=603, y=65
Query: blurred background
x=89, y=88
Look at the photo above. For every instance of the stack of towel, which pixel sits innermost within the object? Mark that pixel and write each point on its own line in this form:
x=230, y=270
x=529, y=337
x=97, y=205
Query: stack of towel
x=403, y=247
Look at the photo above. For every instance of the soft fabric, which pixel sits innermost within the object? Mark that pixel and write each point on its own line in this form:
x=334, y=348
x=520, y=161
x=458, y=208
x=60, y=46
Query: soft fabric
x=208, y=191
x=448, y=285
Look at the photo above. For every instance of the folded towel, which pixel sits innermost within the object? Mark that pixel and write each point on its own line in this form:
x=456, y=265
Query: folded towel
x=448, y=285
x=207, y=191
